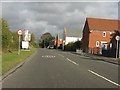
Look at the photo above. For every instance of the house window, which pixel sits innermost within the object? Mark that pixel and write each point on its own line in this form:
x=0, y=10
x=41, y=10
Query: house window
x=110, y=45
x=97, y=43
x=110, y=33
x=104, y=34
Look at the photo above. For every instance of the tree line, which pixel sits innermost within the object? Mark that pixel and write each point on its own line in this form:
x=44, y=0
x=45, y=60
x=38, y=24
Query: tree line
x=45, y=40
x=10, y=39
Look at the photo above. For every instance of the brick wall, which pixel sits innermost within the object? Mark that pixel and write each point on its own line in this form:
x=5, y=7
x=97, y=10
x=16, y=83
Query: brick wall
x=85, y=39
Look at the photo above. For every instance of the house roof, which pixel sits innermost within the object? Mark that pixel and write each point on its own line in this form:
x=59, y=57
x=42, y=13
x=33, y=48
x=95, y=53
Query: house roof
x=103, y=24
x=72, y=33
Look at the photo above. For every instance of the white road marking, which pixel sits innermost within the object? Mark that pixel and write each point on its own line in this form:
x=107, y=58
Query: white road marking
x=72, y=61
x=60, y=55
x=48, y=56
x=104, y=78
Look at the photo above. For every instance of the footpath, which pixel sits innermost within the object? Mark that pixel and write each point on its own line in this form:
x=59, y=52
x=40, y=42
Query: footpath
x=97, y=57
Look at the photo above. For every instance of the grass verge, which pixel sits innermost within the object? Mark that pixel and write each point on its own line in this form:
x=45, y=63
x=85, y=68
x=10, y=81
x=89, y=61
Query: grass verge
x=10, y=60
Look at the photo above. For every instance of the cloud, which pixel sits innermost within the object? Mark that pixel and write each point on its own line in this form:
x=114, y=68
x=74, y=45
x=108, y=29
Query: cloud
x=41, y=17
x=55, y=0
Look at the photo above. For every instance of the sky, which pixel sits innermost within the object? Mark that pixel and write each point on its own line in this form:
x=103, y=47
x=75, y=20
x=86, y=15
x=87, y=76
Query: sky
x=40, y=17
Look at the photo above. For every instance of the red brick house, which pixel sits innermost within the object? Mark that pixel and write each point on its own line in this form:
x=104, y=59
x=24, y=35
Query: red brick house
x=97, y=34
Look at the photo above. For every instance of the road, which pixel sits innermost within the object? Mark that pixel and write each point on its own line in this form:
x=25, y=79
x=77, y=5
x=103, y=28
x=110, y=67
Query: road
x=50, y=68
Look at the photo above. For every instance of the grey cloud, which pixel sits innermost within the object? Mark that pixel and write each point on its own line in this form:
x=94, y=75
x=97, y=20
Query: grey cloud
x=57, y=0
x=41, y=17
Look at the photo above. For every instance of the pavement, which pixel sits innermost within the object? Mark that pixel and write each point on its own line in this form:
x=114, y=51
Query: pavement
x=50, y=68
x=97, y=57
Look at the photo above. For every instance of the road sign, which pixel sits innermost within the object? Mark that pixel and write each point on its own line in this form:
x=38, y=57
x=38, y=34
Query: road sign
x=25, y=44
x=117, y=38
x=19, y=32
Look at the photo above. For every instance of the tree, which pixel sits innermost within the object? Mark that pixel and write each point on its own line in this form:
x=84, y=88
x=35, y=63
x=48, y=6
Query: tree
x=0, y=33
x=32, y=42
x=15, y=41
x=46, y=38
x=6, y=35
x=32, y=39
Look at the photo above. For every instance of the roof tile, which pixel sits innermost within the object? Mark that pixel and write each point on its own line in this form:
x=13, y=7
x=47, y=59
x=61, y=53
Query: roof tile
x=103, y=24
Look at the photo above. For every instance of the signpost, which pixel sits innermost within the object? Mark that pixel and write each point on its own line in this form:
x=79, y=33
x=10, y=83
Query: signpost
x=117, y=38
x=25, y=44
x=19, y=33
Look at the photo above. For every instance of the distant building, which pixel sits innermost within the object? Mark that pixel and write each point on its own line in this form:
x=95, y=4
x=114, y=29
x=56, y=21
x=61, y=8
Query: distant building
x=26, y=35
x=70, y=36
x=97, y=34
x=58, y=41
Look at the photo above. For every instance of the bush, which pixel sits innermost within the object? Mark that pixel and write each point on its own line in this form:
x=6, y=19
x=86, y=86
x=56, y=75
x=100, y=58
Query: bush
x=70, y=47
x=73, y=46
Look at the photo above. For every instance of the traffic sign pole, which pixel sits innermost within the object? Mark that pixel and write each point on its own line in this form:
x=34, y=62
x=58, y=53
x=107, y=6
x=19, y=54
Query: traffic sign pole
x=19, y=46
x=19, y=33
x=117, y=38
x=117, y=49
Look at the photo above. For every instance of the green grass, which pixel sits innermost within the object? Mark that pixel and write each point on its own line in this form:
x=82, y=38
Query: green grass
x=10, y=60
x=0, y=64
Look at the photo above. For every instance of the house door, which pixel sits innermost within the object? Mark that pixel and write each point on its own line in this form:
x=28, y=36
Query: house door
x=104, y=45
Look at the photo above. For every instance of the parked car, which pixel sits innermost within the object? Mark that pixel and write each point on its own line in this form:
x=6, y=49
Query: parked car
x=51, y=47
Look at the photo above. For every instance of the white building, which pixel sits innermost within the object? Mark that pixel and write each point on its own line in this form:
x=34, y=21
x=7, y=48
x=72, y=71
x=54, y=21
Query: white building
x=72, y=39
x=70, y=36
x=26, y=39
x=26, y=35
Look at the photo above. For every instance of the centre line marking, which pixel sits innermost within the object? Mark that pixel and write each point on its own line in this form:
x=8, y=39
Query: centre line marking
x=72, y=61
x=104, y=78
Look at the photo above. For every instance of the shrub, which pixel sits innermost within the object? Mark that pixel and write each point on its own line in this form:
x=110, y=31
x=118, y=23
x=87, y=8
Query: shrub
x=73, y=46
x=70, y=47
